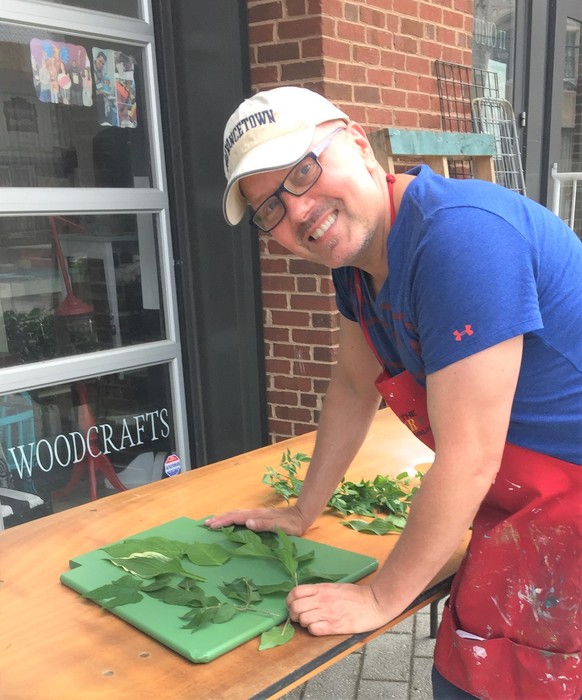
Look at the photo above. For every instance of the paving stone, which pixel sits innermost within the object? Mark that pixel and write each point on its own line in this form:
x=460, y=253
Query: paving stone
x=420, y=684
x=382, y=690
x=338, y=682
x=388, y=658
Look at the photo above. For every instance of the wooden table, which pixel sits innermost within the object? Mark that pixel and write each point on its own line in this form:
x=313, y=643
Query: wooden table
x=55, y=645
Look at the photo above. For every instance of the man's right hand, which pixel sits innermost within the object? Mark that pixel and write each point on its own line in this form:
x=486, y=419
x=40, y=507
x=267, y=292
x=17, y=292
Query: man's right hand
x=288, y=519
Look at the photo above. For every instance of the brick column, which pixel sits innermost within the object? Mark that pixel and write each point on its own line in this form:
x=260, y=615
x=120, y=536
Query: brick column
x=374, y=59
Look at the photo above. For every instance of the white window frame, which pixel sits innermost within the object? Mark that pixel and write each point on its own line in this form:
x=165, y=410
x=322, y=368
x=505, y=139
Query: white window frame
x=17, y=201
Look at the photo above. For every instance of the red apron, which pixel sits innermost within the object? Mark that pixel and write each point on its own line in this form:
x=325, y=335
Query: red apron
x=511, y=629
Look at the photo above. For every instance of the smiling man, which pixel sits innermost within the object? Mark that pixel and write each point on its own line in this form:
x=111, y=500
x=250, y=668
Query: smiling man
x=467, y=298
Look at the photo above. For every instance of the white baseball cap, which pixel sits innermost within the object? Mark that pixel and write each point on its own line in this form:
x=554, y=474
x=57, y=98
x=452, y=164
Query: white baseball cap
x=269, y=131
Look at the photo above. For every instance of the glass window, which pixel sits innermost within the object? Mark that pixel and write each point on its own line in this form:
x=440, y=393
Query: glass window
x=493, y=41
x=127, y=8
x=65, y=445
x=75, y=284
x=73, y=111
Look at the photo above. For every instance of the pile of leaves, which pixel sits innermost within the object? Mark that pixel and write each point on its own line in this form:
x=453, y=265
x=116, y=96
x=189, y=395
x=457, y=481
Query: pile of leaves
x=155, y=568
x=386, y=500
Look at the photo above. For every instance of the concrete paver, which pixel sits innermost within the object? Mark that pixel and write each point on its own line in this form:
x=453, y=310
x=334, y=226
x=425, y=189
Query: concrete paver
x=394, y=666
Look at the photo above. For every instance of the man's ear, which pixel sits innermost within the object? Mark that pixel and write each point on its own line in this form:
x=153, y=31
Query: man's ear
x=360, y=139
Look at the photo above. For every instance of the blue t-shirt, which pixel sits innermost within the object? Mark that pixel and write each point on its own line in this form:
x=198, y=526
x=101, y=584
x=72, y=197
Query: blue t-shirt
x=472, y=264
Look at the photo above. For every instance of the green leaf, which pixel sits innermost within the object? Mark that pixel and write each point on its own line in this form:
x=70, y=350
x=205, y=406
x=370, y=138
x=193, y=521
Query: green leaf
x=174, y=596
x=270, y=588
x=162, y=545
x=242, y=589
x=254, y=549
x=277, y=636
x=123, y=591
x=151, y=564
x=204, y=554
x=224, y=613
x=309, y=575
x=199, y=618
x=285, y=552
x=378, y=526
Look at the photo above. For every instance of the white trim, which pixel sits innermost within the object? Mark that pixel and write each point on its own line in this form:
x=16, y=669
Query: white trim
x=16, y=201
x=75, y=20
x=94, y=364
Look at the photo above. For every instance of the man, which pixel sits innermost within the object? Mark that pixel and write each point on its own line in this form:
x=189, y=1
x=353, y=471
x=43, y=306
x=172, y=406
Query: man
x=469, y=297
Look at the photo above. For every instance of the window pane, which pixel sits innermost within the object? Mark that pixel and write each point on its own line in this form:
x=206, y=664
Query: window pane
x=118, y=427
x=74, y=284
x=493, y=41
x=127, y=8
x=73, y=111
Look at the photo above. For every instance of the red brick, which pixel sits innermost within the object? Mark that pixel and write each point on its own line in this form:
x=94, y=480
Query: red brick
x=419, y=65
x=280, y=51
x=305, y=267
x=302, y=70
x=312, y=336
x=364, y=54
x=292, y=413
x=278, y=283
x=323, y=320
x=412, y=27
x=280, y=430
x=264, y=74
x=276, y=301
x=265, y=11
x=335, y=49
x=405, y=44
x=350, y=31
x=372, y=17
x=293, y=352
x=368, y=94
x=312, y=48
x=289, y=318
x=277, y=334
x=274, y=266
x=261, y=34
x=292, y=383
x=276, y=366
x=351, y=11
x=308, y=400
x=299, y=28
x=453, y=19
x=295, y=8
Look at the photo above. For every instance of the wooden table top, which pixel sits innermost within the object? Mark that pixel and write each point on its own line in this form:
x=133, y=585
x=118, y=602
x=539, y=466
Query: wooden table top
x=55, y=645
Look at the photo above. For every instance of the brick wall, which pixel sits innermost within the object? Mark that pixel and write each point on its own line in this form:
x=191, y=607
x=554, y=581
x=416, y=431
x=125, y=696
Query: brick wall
x=374, y=59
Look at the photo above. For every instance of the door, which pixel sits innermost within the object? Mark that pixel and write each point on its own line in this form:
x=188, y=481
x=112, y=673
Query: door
x=565, y=115
x=91, y=380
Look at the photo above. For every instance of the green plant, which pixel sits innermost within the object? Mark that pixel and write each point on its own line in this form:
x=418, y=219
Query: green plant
x=154, y=567
x=385, y=499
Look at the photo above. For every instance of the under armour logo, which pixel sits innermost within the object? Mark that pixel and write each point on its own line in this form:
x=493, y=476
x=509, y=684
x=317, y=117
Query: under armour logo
x=459, y=334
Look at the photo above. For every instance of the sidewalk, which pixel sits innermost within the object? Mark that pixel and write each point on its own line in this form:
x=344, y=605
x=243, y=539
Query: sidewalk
x=395, y=666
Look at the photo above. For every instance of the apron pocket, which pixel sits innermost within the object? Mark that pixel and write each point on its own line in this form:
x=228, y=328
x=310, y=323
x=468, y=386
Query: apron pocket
x=499, y=668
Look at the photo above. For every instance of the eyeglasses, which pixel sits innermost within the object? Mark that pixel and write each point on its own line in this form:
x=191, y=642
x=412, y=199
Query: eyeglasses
x=300, y=180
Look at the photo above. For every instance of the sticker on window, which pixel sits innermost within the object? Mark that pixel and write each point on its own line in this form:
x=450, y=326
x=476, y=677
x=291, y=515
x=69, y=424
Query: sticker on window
x=115, y=94
x=61, y=73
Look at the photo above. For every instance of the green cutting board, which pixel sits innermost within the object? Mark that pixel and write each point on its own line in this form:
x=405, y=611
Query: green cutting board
x=162, y=621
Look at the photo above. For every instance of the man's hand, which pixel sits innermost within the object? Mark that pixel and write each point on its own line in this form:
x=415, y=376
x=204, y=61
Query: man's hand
x=289, y=520
x=336, y=608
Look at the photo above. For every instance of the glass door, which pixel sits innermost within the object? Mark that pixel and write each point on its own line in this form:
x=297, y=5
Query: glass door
x=91, y=385
x=565, y=152
x=564, y=116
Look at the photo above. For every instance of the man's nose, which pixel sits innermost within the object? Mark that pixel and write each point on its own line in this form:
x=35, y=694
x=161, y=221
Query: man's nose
x=298, y=207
